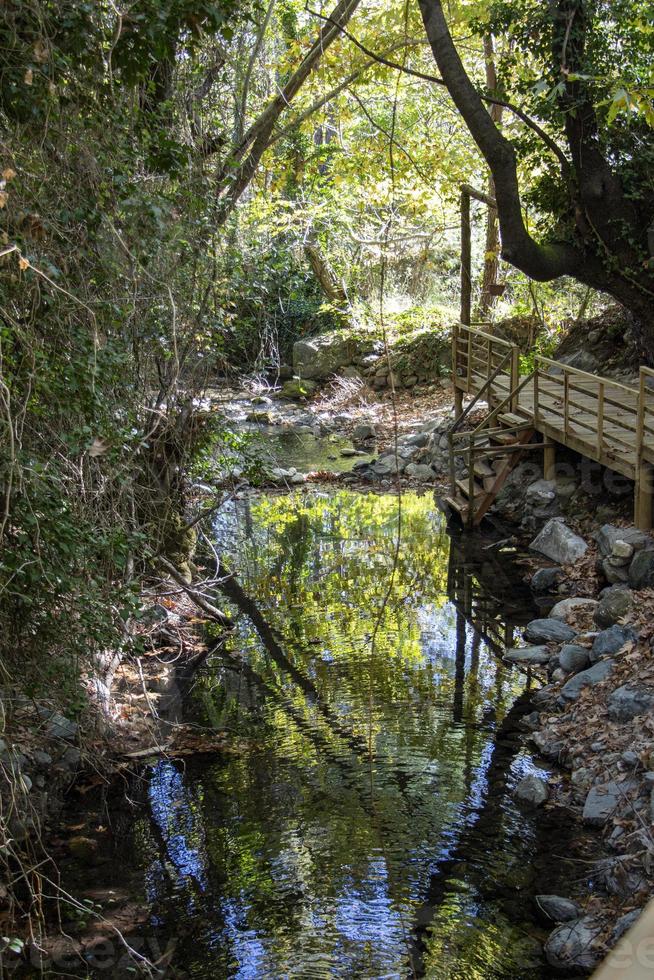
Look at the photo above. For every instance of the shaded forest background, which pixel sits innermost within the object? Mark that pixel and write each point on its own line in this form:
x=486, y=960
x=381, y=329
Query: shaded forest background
x=188, y=187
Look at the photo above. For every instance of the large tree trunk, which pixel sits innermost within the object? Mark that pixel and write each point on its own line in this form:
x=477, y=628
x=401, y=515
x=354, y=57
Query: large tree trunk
x=609, y=242
x=487, y=296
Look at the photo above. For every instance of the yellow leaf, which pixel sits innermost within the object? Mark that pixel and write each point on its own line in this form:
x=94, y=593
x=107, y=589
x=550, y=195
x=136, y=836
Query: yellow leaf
x=28, y=77
x=8, y=174
x=4, y=197
x=23, y=263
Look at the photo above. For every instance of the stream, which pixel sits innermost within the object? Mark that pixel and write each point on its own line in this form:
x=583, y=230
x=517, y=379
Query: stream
x=361, y=823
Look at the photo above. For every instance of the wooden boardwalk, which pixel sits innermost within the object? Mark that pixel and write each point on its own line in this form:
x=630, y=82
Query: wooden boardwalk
x=604, y=420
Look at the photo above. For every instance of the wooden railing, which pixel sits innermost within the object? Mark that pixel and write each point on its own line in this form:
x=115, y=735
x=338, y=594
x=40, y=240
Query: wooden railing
x=596, y=416
x=599, y=411
x=476, y=355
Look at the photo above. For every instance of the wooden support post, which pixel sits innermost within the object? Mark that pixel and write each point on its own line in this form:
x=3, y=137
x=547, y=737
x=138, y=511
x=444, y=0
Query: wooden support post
x=549, y=458
x=466, y=258
x=644, y=496
x=458, y=401
x=644, y=488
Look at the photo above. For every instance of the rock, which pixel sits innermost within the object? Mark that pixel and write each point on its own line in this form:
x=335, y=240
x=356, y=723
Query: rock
x=58, y=726
x=567, y=608
x=363, y=431
x=558, y=543
x=586, y=678
x=614, y=574
x=420, y=471
x=348, y=452
x=570, y=946
x=71, y=758
x=540, y=494
x=261, y=418
x=420, y=439
x=557, y=909
x=601, y=803
x=298, y=389
x=610, y=641
x=548, y=747
x=261, y=400
x=299, y=478
x=532, y=790
x=630, y=758
x=613, y=605
x=387, y=466
x=528, y=655
x=546, y=580
x=608, y=535
x=641, y=570
x=319, y=357
x=622, y=550
x=545, y=695
x=573, y=658
x=548, y=631
x=628, y=701
x=83, y=848
x=623, y=924
x=43, y=759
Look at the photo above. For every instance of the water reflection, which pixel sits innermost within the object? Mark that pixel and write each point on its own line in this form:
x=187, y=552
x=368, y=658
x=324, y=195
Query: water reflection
x=329, y=844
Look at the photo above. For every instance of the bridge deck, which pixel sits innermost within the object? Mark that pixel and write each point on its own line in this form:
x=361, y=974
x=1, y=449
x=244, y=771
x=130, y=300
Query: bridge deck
x=604, y=420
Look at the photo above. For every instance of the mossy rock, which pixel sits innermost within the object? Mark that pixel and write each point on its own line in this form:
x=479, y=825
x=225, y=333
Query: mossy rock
x=298, y=389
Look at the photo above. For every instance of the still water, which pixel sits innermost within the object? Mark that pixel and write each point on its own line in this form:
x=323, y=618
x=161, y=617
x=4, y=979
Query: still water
x=363, y=824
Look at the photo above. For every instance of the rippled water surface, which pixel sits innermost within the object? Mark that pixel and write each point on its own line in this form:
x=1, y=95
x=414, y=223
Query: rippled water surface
x=363, y=824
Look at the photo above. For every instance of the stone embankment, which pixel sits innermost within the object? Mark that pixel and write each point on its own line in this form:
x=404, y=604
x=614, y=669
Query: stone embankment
x=594, y=717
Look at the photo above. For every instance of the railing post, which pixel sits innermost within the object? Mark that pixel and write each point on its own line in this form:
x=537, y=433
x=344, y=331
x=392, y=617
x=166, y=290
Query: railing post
x=536, y=393
x=458, y=394
x=600, y=418
x=471, y=485
x=566, y=403
x=515, y=374
x=489, y=371
x=644, y=488
x=469, y=375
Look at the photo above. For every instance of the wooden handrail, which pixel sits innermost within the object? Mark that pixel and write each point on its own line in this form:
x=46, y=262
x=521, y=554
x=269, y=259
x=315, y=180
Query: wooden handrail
x=487, y=336
x=566, y=368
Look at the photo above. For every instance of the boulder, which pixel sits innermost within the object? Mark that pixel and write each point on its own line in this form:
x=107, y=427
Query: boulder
x=601, y=803
x=622, y=552
x=628, y=701
x=614, y=574
x=612, y=606
x=641, y=570
x=532, y=790
x=319, y=357
x=608, y=535
x=573, y=658
x=558, y=543
x=546, y=580
x=548, y=631
x=610, y=641
x=363, y=431
x=297, y=389
x=570, y=946
x=420, y=471
x=58, y=726
x=586, y=678
x=420, y=439
x=567, y=608
x=528, y=655
x=557, y=909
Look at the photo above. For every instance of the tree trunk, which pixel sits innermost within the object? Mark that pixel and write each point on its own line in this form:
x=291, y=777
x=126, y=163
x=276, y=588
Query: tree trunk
x=329, y=284
x=487, y=297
